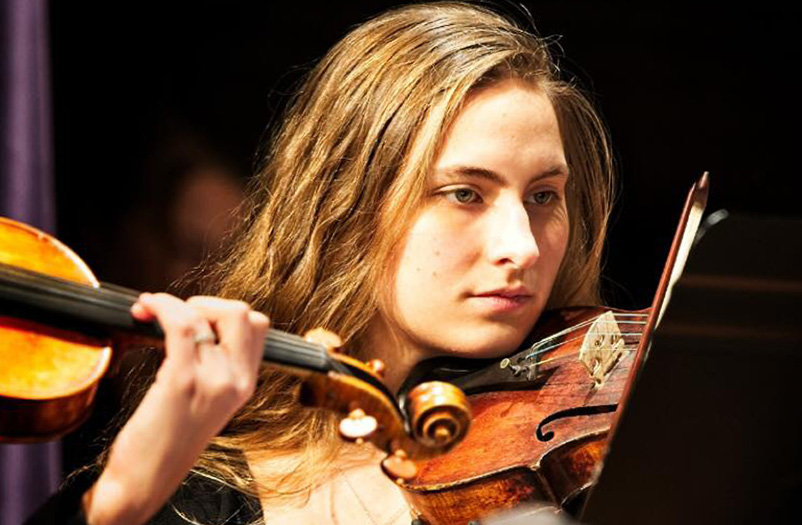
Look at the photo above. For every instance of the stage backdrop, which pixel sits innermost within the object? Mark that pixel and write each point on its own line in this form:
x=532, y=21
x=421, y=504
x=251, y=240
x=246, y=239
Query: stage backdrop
x=28, y=473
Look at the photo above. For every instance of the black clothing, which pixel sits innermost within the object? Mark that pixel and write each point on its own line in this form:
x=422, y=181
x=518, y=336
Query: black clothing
x=198, y=498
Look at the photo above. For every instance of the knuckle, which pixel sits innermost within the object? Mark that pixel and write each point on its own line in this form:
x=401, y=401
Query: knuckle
x=245, y=387
x=205, y=301
x=195, y=300
x=221, y=381
x=164, y=298
x=232, y=394
x=185, y=327
x=216, y=388
x=260, y=320
x=239, y=310
x=241, y=306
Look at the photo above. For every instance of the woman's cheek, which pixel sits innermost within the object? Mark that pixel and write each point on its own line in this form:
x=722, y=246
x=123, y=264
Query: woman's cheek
x=553, y=237
x=436, y=244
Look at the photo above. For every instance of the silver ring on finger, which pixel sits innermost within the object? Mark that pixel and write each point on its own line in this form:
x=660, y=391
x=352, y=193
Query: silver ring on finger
x=206, y=338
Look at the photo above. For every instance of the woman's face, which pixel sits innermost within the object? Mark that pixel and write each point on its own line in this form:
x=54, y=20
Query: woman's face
x=478, y=263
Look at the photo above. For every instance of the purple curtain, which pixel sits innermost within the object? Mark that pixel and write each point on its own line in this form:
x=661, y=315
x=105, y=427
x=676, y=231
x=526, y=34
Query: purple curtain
x=28, y=473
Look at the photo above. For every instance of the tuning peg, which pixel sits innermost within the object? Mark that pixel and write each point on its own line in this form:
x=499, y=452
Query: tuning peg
x=324, y=337
x=357, y=426
x=377, y=366
x=399, y=467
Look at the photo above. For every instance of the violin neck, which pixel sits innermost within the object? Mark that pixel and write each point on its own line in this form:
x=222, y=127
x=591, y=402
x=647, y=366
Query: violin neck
x=105, y=313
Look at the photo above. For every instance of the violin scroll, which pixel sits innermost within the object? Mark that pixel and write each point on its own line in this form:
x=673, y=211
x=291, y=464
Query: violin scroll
x=439, y=414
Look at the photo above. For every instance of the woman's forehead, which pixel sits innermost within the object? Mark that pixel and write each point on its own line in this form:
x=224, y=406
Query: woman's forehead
x=510, y=126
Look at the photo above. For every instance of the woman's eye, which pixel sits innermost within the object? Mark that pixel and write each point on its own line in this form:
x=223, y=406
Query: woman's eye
x=542, y=197
x=463, y=195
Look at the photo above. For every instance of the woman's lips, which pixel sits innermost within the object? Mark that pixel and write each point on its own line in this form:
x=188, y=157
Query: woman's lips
x=501, y=301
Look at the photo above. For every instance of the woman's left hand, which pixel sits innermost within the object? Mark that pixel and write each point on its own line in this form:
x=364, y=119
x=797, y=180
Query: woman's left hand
x=213, y=348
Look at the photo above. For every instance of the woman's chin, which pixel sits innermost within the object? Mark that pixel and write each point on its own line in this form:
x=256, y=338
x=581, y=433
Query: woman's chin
x=499, y=343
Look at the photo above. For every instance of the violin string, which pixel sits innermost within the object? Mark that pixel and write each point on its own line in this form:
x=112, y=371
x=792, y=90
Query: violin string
x=67, y=289
x=113, y=299
x=557, y=345
x=581, y=325
x=289, y=341
x=573, y=329
x=45, y=281
x=572, y=354
x=301, y=350
x=586, y=323
x=557, y=335
x=82, y=292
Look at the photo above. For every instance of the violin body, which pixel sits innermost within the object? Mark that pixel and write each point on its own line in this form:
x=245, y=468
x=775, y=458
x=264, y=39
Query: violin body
x=519, y=448
x=48, y=376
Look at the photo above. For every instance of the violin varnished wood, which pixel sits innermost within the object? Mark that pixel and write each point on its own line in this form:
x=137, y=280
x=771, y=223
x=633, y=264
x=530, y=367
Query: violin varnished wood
x=502, y=463
x=49, y=376
x=41, y=362
x=29, y=248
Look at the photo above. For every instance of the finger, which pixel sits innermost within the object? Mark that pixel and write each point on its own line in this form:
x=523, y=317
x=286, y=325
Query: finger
x=181, y=323
x=239, y=328
x=241, y=331
x=140, y=312
x=261, y=324
x=232, y=371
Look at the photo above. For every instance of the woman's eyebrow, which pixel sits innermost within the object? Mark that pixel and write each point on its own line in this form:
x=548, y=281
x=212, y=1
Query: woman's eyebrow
x=490, y=175
x=472, y=171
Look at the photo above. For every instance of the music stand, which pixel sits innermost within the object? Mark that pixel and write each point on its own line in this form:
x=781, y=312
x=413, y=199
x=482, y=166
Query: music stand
x=711, y=433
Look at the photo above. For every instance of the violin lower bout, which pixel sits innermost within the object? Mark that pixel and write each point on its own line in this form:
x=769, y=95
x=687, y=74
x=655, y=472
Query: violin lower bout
x=559, y=481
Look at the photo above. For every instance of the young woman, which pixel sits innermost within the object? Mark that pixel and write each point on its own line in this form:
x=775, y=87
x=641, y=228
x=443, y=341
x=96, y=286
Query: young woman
x=433, y=188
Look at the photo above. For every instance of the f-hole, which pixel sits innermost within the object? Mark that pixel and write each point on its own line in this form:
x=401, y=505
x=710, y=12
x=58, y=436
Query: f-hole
x=570, y=412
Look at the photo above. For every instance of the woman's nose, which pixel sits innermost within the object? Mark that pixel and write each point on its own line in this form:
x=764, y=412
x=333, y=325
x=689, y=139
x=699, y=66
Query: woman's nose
x=510, y=240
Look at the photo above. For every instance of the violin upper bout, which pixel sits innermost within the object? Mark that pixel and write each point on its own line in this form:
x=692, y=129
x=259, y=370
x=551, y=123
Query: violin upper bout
x=26, y=247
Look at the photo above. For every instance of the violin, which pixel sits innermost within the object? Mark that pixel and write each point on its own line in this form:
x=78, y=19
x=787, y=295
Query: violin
x=543, y=417
x=61, y=330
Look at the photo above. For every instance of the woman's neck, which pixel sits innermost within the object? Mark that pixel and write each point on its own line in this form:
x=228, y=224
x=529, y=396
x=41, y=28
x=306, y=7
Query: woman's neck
x=398, y=354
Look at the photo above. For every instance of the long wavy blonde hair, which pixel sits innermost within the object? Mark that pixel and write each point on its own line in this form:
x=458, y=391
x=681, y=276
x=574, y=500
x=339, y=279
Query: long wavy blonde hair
x=339, y=184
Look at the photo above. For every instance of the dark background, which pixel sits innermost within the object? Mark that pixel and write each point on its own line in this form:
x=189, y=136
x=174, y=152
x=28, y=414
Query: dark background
x=683, y=88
